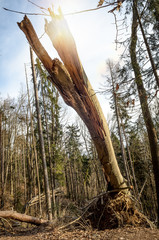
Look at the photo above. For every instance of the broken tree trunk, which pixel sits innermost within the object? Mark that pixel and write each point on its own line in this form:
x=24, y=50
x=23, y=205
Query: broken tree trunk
x=22, y=217
x=73, y=85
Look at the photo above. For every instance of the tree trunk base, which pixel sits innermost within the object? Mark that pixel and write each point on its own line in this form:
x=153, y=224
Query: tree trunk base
x=111, y=210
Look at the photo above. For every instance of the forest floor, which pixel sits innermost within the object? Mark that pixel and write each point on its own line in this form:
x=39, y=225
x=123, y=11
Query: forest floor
x=39, y=233
x=70, y=225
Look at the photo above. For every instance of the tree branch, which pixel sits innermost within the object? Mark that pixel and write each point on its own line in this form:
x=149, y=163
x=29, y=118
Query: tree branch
x=24, y=13
x=65, y=14
x=37, y=5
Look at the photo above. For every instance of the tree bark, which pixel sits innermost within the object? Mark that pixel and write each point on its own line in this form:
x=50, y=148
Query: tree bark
x=148, y=48
x=2, y=161
x=117, y=113
x=22, y=217
x=52, y=175
x=29, y=169
x=154, y=4
x=144, y=105
x=46, y=179
x=34, y=143
x=73, y=85
x=136, y=191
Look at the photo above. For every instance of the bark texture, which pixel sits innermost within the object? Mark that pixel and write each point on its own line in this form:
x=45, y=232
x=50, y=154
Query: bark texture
x=34, y=143
x=1, y=161
x=41, y=139
x=152, y=136
x=148, y=48
x=73, y=85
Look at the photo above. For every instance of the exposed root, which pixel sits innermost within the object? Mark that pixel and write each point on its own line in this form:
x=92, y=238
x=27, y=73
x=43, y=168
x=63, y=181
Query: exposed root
x=111, y=210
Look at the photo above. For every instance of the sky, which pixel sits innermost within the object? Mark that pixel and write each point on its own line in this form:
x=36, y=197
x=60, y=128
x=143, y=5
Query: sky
x=94, y=33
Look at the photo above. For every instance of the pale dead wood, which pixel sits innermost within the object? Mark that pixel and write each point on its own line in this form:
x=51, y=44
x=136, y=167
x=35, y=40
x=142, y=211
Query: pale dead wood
x=75, y=88
x=22, y=217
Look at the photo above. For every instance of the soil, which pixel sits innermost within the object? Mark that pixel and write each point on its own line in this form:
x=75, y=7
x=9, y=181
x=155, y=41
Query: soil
x=38, y=233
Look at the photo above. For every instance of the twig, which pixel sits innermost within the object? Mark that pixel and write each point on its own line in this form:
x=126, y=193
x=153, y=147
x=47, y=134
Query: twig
x=119, y=3
x=5, y=220
x=42, y=35
x=89, y=10
x=101, y=216
x=142, y=189
x=41, y=14
x=37, y=5
x=77, y=219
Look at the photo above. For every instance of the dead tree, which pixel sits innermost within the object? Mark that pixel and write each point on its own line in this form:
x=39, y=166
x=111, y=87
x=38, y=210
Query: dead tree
x=22, y=217
x=70, y=79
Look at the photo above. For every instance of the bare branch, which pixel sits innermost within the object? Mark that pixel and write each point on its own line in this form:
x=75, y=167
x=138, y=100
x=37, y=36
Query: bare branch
x=42, y=14
x=89, y=10
x=66, y=14
x=37, y=5
x=119, y=3
x=42, y=35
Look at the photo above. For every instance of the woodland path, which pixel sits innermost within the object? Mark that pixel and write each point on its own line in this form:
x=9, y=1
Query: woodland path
x=126, y=233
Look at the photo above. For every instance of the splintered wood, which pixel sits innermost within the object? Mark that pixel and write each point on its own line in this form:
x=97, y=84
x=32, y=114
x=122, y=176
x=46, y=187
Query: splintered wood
x=70, y=79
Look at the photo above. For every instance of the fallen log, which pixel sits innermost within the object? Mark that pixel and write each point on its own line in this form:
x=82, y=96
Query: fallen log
x=35, y=200
x=22, y=217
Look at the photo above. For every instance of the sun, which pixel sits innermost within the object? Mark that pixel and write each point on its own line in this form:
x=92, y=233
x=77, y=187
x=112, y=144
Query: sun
x=68, y=6
x=75, y=22
x=81, y=27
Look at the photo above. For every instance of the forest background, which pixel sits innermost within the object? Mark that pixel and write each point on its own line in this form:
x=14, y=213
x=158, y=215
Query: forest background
x=73, y=166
